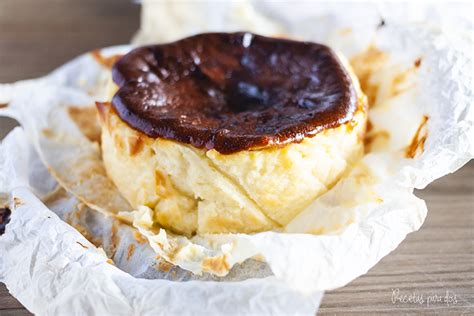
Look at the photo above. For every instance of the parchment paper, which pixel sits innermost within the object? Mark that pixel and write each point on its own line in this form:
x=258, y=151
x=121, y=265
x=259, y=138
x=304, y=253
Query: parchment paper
x=420, y=82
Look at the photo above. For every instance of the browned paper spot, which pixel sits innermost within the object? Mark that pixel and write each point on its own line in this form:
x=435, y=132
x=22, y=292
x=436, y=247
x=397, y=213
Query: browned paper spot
x=86, y=120
x=417, y=144
x=107, y=62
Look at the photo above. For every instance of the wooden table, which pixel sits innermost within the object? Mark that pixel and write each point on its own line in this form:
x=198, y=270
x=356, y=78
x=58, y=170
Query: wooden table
x=38, y=35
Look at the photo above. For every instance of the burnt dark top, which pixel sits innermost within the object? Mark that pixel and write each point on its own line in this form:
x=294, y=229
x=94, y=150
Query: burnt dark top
x=233, y=91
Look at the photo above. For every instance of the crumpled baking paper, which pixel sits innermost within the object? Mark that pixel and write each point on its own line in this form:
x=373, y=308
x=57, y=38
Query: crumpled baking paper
x=422, y=129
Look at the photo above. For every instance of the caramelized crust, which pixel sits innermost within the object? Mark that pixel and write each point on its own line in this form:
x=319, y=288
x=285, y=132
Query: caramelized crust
x=233, y=91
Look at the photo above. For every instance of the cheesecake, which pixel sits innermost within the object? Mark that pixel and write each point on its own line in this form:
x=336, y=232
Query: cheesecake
x=230, y=132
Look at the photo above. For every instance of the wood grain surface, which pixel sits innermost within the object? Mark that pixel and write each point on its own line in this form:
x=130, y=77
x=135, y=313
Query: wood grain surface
x=38, y=35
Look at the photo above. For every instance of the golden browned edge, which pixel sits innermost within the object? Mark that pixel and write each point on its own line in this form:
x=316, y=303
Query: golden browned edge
x=136, y=142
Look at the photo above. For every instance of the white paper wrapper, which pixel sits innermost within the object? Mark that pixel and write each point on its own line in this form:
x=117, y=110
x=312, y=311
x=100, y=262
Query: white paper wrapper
x=424, y=98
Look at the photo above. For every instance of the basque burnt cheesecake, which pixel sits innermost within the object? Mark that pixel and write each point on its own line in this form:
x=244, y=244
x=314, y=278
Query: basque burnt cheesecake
x=230, y=132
